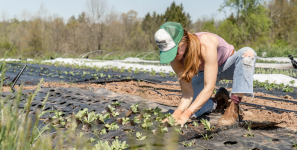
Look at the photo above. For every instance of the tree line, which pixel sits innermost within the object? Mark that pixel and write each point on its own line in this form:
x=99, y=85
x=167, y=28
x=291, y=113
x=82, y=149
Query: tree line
x=255, y=23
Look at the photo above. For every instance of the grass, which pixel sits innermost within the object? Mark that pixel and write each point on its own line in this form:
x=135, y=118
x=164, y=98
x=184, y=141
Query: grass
x=276, y=51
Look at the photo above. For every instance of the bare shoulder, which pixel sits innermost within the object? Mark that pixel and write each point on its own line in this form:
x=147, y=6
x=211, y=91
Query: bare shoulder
x=209, y=39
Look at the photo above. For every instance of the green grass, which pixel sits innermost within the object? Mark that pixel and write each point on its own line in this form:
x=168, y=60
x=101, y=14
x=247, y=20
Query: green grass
x=276, y=51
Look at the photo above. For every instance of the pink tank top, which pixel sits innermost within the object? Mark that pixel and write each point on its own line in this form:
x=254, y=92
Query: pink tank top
x=224, y=50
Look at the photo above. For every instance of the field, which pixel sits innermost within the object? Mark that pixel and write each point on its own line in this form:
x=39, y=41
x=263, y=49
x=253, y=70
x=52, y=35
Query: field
x=91, y=104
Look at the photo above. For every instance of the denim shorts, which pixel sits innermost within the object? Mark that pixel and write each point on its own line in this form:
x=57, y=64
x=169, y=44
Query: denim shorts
x=238, y=68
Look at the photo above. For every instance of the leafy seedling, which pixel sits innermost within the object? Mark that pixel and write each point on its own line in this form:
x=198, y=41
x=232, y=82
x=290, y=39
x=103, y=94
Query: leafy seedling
x=112, y=126
x=136, y=120
x=250, y=134
x=195, y=124
x=147, y=123
x=171, y=121
x=206, y=124
x=139, y=136
x=188, y=144
x=101, y=118
x=125, y=120
x=134, y=108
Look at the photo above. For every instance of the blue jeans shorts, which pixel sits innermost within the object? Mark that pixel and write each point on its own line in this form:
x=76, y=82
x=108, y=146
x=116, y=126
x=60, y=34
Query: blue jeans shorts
x=238, y=68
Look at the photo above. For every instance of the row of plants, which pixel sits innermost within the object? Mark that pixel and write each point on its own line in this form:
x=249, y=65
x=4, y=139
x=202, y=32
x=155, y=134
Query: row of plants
x=288, y=72
x=114, y=69
x=274, y=86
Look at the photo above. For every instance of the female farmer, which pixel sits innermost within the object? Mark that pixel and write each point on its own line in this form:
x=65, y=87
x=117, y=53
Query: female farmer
x=200, y=60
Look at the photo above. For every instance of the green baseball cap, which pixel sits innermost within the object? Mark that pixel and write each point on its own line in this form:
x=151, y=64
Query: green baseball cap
x=167, y=38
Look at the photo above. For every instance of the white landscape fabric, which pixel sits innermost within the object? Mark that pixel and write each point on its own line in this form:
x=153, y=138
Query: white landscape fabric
x=277, y=59
x=272, y=78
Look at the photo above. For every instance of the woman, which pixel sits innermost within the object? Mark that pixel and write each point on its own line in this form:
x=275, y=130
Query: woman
x=200, y=60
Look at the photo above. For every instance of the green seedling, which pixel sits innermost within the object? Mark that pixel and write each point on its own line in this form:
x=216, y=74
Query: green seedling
x=58, y=115
x=178, y=130
x=250, y=130
x=147, y=123
x=129, y=69
x=125, y=120
x=139, y=136
x=112, y=126
x=136, y=120
x=164, y=130
x=80, y=134
x=195, y=124
x=91, y=117
x=207, y=127
x=206, y=137
x=188, y=144
x=118, y=145
x=134, y=108
x=102, y=118
x=206, y=124
x=81, y=113
x=294, y=144
x=171, y=120
x=103, y=131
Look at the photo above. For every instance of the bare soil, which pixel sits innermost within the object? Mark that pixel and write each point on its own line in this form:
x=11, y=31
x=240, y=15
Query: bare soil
x=142, y=89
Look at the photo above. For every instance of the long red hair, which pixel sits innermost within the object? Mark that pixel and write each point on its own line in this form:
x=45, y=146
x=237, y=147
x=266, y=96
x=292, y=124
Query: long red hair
x=192, y=56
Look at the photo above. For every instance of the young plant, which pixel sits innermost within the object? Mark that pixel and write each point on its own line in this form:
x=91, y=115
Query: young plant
x=139, y=136
x=206, y=137
x=206, y=124
x=102, y=118
x=250, y=131
x=112, y=126
x=164, y=130
x=188, y=144
x=195, y=124
x=90, y=118
x=147, y=123
x=81, y=113
x=171, y=121
x=136, y=120
x=125, y=120
x=58, y=118
x=134, y=108
x=117, y=103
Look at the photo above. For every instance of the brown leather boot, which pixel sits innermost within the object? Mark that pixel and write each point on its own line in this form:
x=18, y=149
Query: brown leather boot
x=222, y=97
x=230, y=116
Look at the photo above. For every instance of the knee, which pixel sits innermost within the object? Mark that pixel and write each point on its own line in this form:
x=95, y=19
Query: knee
x=249, y=56
x=249, y=53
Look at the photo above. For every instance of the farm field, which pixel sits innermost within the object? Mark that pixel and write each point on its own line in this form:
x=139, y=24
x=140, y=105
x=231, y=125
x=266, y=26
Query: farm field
x=120, y=106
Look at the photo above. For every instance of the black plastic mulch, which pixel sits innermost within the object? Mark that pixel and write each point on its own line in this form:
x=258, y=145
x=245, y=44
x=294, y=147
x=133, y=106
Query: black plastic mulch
x=69, y=100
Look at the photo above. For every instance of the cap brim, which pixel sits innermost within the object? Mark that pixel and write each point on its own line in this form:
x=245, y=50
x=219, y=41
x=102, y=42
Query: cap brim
x=168, y=56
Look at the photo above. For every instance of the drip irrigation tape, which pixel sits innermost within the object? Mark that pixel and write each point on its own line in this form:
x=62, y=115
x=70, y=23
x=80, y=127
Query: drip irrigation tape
x=263, y=109
x=276, y=99
x=126, y=80
x=268, y=108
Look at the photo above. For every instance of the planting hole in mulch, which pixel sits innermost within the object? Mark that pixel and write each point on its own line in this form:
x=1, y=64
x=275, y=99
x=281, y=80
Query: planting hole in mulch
x=230, y=142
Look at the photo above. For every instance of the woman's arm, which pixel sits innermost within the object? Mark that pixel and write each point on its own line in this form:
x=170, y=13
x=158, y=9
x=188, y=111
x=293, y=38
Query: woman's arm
x=186, y=88
x=209, y=44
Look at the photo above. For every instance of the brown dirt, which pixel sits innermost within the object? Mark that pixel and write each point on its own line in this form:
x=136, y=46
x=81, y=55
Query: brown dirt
x=288, y=119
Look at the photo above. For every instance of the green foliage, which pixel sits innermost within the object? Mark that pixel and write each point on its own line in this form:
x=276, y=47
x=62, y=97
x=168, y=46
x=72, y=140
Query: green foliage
x=112, y=126
x=175, y=13
x=188, y=144
x=134, y=108
x=139, y=136
x=91, y=117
